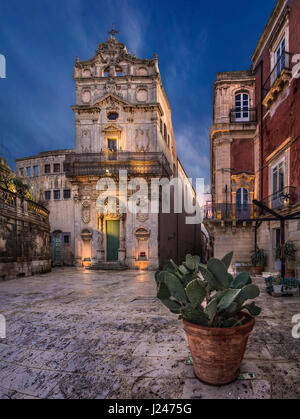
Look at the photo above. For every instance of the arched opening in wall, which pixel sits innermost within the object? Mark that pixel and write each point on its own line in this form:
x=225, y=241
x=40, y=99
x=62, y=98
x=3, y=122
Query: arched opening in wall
x=142, y=235
x=242, y=206
x=86, y=255
x=242, y=107
x=119, y=72
x=112, y=116
x=106, y=72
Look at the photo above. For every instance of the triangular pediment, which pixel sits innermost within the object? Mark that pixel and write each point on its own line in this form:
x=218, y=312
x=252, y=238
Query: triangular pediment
x=111, y=99
x=111, y=128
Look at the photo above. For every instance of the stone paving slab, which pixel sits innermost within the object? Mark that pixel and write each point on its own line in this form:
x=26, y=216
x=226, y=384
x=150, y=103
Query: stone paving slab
x=78, y=334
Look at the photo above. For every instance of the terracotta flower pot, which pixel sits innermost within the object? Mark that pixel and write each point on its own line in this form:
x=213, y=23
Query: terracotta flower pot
x=290, y=273
x=257, y=270
x=218, y=353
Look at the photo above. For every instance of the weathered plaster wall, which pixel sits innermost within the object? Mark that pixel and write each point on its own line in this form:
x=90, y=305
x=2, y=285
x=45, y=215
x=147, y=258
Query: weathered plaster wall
x=24, y=237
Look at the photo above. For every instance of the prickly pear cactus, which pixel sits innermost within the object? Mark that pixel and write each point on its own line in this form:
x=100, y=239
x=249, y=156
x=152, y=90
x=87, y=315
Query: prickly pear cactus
x=206, y=295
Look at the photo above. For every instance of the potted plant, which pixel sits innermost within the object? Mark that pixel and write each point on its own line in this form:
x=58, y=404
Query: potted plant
x=258, y=258
x=274, y=286
x=215, y=313
x=290, y=255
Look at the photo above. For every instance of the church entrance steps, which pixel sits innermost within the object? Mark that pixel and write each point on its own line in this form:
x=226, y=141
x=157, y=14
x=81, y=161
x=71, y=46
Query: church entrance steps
x=108, y=266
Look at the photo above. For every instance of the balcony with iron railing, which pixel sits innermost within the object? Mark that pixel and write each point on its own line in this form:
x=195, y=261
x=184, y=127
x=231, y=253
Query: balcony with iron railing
x=282, y=199
x=239, y=212
x=98, y=164
x=243, y=116
x=278, y=78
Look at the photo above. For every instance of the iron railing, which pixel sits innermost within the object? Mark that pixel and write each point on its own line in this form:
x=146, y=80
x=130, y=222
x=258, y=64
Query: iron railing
x=213, y=211
x=281, y=199
x=243, y=116
x=284, y=63
x=98, y=164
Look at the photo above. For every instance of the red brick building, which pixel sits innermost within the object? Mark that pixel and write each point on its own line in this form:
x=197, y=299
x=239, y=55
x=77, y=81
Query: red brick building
x=255, y=143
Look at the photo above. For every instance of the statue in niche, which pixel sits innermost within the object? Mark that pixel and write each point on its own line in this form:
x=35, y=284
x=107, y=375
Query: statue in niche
x=142, y=139
x=86, y=146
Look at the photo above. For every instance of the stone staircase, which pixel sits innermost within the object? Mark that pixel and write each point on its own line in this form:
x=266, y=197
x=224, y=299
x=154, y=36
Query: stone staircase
x=108, y=266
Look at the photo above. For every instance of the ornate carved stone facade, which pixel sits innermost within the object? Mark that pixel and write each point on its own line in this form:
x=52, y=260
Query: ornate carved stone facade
x=122, y=122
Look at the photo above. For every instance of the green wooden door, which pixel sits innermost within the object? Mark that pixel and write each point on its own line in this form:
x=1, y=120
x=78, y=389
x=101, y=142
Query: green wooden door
x=57, y=249
x=113, y=239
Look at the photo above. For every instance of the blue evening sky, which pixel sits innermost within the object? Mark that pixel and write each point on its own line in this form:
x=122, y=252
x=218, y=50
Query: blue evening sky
x=193, y=41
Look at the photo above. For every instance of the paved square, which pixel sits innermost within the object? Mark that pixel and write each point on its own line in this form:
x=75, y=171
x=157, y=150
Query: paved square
x=82, y=334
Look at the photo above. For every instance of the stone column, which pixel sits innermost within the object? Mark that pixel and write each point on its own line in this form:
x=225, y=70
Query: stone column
x=233, y=204
x=102, y=243
x=77, y=237
x=122, y=249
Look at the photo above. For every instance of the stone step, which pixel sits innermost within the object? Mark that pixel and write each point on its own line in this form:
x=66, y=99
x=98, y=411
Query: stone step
x=108, y=266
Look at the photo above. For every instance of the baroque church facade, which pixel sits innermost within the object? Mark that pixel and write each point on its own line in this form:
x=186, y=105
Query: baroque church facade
x=122, y=122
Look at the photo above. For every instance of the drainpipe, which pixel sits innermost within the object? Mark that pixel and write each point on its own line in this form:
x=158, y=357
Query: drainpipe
x=283, y=258
x=261, y=133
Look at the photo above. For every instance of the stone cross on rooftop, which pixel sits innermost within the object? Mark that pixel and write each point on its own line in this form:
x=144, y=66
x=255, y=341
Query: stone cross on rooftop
x=113, y=31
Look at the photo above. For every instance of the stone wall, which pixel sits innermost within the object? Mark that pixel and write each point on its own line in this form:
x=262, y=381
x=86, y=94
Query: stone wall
x=24, y=237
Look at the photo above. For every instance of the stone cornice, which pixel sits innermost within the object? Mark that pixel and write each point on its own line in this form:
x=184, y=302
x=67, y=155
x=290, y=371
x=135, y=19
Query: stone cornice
x=280, y=7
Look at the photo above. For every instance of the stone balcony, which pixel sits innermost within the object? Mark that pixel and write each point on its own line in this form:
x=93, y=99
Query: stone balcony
x=99, y=164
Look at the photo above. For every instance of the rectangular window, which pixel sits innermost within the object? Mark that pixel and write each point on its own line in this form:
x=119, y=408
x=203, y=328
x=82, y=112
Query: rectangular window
x=66, y=239
x=278, y=184
x=36, y=170
x=47, y=168
x=28, y=171
x=56, y=195
x=67, y=194
x=22, y=171
x=56, y=168
x=47, y=195
x=280, y=59
x=112, y=145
